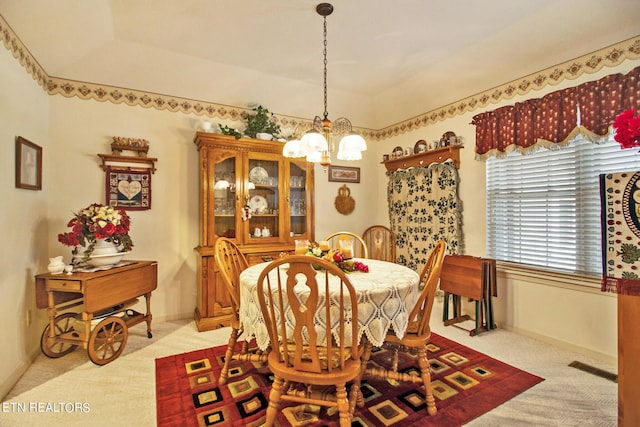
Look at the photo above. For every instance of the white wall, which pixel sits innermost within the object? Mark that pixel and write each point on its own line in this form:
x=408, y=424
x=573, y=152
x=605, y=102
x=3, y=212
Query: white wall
x=167, y=232
x=365, y=194
x=24, y=111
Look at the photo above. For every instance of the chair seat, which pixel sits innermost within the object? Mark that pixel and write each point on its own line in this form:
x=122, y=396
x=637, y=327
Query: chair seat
x=283, y=370
x=410, y=339
x=324, y=356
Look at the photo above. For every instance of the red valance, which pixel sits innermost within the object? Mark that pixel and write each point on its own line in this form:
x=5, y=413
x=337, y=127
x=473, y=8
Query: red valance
x=589, y=108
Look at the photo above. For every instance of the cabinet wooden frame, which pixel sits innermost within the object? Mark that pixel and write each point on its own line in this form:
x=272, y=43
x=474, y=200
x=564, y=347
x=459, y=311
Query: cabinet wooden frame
x=216, y=152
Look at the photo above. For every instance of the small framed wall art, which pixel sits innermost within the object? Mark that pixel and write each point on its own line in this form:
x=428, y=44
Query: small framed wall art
x=344, y=174
x=128, y=189
x=28, y=164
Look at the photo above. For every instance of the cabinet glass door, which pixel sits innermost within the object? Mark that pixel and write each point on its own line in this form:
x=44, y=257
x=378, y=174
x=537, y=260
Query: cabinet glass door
x=224, y=189
x=298, y=199
x=263, y=199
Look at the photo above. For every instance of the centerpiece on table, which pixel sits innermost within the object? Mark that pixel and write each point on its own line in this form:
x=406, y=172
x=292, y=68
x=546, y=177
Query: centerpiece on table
x=335, y=256
x=99, y=235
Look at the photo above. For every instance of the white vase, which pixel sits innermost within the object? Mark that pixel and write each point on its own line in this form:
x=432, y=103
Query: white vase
x=103, y=247
x=104, y=253
x=56, y=265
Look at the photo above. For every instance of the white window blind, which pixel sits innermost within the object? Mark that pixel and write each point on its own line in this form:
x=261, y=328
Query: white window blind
x=543, y=208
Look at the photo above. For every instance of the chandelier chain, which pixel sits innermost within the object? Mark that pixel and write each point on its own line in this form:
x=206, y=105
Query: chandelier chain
x=324, y=52
x=317, y=143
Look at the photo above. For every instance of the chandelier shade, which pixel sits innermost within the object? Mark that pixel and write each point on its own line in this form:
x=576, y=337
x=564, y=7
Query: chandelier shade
x=351, y=147
x=294, y=148
x=314, y=157
x=317, y=143
x=314, y=141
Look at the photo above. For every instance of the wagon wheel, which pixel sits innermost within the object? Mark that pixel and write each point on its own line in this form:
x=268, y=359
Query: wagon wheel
x=107, y=340
x=63, y=323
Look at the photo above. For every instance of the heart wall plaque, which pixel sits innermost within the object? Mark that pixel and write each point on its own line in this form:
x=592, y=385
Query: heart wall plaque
x=128, y=189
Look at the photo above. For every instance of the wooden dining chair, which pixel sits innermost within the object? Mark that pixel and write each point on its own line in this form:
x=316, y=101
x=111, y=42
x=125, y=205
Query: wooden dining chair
x=418, y=331
x=359, y=246
x=231, y=262
x=381, y=243
x=308, y=353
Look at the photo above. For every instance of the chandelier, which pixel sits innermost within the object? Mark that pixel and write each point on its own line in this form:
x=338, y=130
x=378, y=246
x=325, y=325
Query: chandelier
x=317, y=144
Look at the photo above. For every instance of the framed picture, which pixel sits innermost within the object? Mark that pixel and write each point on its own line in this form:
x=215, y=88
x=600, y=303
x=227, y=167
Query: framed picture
x=128, y=189
x=28, y=164
x=344, y=174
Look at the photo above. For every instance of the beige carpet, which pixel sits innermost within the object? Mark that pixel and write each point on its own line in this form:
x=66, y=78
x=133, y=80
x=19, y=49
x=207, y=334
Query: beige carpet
x=122, y=393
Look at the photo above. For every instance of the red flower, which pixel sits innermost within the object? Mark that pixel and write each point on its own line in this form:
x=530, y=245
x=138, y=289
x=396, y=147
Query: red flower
x=109, y=229
x=68, y=239
x=627, y=129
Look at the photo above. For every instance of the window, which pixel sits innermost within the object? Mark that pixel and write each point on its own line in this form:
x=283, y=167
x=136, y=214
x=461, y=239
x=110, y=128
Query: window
x=543, y=208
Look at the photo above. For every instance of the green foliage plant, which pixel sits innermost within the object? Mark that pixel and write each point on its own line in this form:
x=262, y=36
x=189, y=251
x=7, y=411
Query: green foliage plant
x=226, y=130
x=261, y=122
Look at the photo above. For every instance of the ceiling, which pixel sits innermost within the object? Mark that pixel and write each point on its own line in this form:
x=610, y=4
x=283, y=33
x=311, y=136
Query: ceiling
x=390, y=60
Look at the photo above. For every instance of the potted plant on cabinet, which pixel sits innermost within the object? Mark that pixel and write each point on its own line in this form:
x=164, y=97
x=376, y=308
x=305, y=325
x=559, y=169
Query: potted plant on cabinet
x=259, y=125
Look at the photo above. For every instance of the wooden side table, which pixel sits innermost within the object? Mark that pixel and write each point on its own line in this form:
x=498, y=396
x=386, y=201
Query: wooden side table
x=474, y=278
x=105, y=295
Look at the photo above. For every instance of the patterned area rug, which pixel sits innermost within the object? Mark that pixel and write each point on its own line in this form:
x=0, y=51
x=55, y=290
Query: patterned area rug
x=466, y=384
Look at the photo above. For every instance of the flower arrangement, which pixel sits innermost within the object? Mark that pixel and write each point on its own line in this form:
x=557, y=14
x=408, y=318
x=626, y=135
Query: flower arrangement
x=95, y=222
x=627, y=129
x=336, y=257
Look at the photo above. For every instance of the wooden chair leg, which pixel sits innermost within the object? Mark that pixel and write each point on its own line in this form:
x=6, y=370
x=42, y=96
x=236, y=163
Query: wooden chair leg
x=354, y=396
x=364, y=361
x=343, y=405
x=274, y=401
x=425, y=371
x=233, y=338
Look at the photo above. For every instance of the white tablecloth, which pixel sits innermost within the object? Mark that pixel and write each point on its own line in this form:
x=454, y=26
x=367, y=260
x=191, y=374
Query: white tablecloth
x=386, y=295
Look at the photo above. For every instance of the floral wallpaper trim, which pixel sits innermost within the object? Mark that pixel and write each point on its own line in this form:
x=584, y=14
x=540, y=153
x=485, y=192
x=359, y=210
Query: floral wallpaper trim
x=590, y=63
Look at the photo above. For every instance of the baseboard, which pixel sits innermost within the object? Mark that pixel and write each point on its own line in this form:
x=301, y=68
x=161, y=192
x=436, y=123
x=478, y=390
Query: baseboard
x=15, y=376
x=171, y=317
x=603, y=357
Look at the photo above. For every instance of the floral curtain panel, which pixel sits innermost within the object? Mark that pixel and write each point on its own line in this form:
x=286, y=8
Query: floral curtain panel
x=588, y=109
x=424, y=208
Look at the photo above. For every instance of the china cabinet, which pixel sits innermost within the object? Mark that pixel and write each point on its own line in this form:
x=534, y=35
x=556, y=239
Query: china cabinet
x=251, y=193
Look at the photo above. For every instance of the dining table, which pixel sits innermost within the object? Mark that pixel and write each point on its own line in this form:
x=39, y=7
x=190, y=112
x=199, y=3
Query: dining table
x=386, y=295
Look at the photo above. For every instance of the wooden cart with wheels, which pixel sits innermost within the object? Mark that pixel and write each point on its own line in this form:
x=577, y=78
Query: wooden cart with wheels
x=105, y=297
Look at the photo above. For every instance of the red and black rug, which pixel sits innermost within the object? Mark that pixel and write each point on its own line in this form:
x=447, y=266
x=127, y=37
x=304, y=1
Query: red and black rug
x=466, y=384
